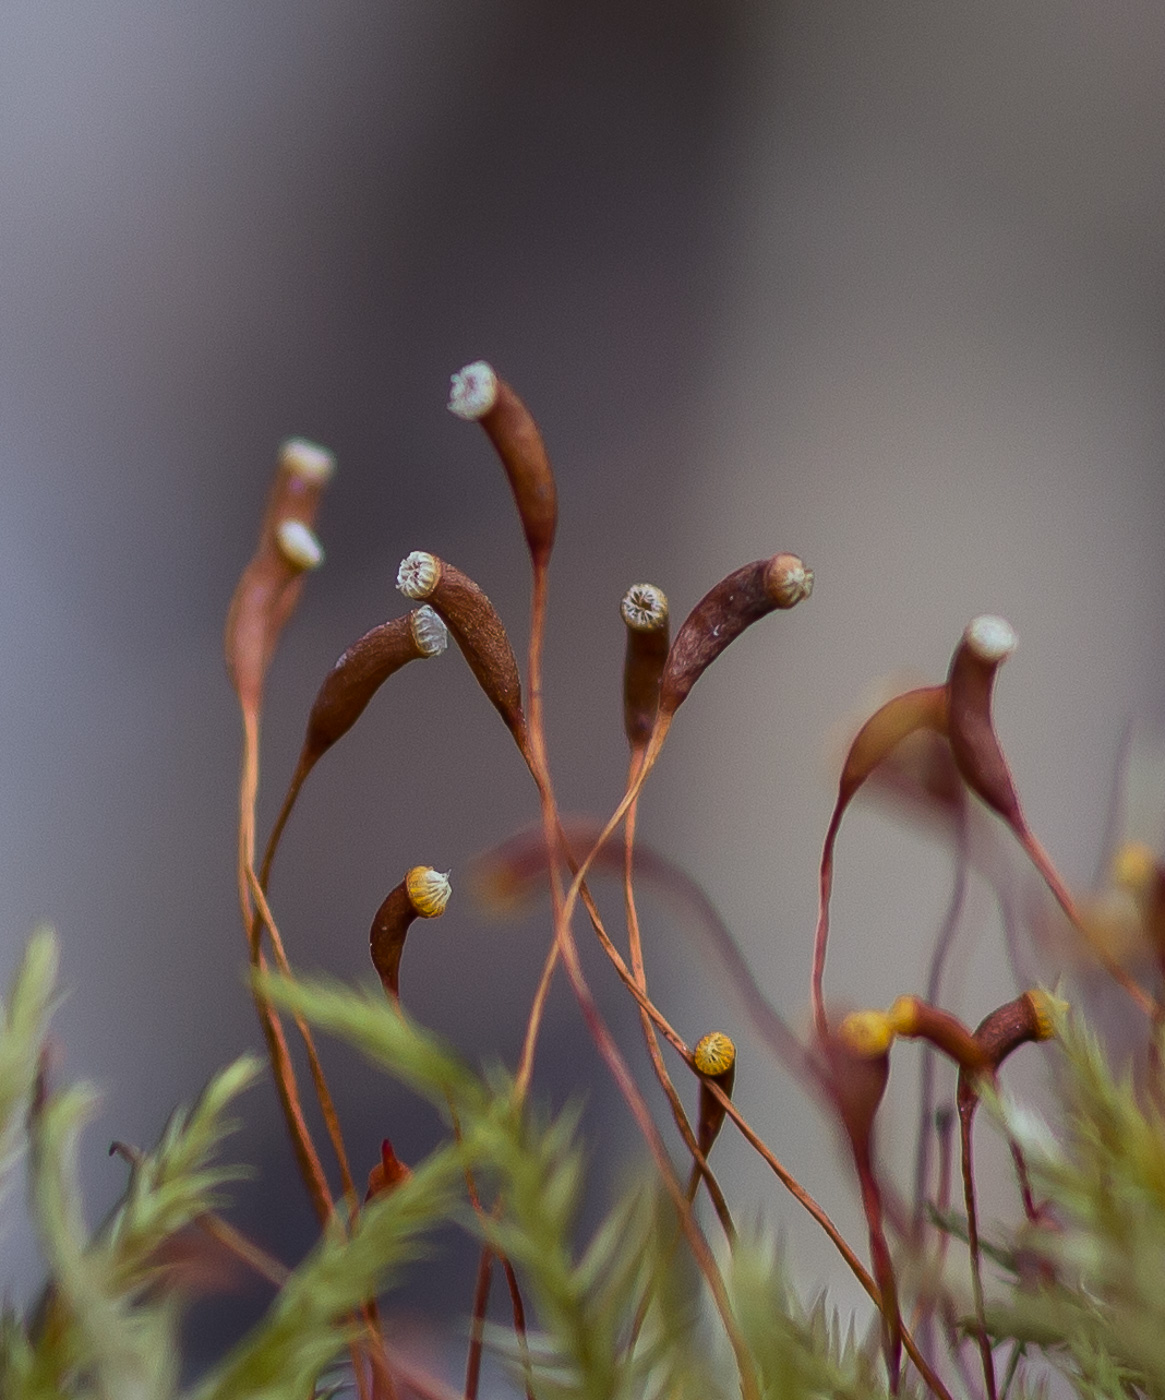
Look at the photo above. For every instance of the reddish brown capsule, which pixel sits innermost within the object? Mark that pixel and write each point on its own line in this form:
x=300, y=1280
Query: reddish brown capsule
x=389, y=1173
x=477, y=393
x=476, y=628
x=346, y=692
x=918, y=1020
x=1030, y=1017
x=271, y=583
x=868, y=1035
x=714, y=1056
x=987, y=642
x=722, y=615
x=644, y=611
x=886, y=728
x=363, y=669
x=423, y=893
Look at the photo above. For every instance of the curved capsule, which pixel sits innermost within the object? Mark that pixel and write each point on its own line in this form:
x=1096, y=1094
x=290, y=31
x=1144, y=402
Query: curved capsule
x=476, y=628
x=423, y=893
x=363, y=669
x=723, y=613
x=1032, y=1016
x=985, y=645
x=269, y=587
x=478, y=394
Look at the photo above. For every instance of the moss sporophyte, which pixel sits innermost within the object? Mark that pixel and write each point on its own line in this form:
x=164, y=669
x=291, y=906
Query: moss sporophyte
x=671, y=1297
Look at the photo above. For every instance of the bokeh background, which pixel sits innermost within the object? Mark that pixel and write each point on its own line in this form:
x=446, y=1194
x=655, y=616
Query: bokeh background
x=879, y=283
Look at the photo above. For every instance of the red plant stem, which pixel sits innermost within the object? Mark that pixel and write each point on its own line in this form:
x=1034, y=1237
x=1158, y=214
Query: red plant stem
x=1024, y=1179
x=580, y=833
x=635, y=945
x=883, y=1268
x=789, y=1181
x=477, y=1326
x=311, y=1168
x=758, y=1144
x=283, y=1072
x=601, y=1035
x=244, y=1249
x=1051, y=876
x=298, y=778
x=481, y=1294
x=699, y=1164
x=535, y=757
x=323, y=1094
x=966, y=1115
x=934, y=997
x=924, y=1312
x=857, y=1268
x=821, y=932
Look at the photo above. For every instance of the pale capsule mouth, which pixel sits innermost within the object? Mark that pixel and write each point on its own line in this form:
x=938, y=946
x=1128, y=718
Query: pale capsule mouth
x=299, y=545
x=417, y=576
x=473, y=391
x=429, y=632
x=789, y=581
x=990, y=638
x=308, y=460
x=644, y=608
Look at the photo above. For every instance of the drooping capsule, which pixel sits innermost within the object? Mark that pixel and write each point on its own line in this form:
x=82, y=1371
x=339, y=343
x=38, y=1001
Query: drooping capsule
x=478, y=394
x=1031, y=1017
x=389, y=1173
x=362, y=670
x=271, y=583
x=423, y=893
x=346, y=692
x=745, y=596
x=888, y=726
x=916, y=1019
x=986, y=643
x=476, y=628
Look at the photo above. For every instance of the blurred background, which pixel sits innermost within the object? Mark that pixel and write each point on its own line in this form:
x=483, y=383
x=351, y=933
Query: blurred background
x=880, y=284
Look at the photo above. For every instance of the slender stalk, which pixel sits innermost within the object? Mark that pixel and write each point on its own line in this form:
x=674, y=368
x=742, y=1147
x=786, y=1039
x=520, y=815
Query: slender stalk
x=307, y=1157
x=700, y=1167
x=297, y=781
x=821, y=932
x=600, y=1034
x=1043, y=863
x=938, y=960
x=485, y=1265
x=966, y=1115
x=323, y=1094
x=857, y=1268
x=310, y=1166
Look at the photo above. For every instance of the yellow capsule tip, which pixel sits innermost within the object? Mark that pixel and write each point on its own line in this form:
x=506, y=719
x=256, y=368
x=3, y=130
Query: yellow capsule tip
x=428, y=890
x=714, y=1053
x=867, y=1034
x=1047, y=1011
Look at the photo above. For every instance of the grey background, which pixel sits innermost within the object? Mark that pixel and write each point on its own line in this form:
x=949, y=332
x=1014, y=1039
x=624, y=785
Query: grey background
x=878, y=283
